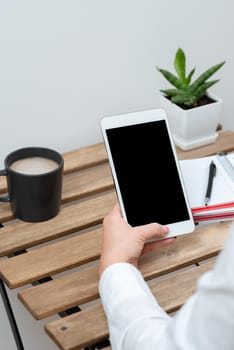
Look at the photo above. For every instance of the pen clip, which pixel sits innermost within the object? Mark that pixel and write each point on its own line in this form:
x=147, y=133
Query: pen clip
x=214, y=169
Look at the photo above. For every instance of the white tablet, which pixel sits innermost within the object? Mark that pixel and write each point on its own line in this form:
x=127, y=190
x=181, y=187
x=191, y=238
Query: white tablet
x=146, y=171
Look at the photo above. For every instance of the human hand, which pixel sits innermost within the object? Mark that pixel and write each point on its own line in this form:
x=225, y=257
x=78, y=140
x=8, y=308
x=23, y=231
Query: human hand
x=124, y=243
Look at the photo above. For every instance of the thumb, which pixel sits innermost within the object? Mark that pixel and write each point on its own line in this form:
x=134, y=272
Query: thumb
x=153, y=230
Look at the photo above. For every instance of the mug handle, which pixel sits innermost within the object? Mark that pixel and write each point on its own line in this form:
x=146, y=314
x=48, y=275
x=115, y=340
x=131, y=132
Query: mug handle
x=4, y=198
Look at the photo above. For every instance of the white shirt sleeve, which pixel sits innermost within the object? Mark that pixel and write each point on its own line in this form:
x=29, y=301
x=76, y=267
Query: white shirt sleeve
x=136, y=321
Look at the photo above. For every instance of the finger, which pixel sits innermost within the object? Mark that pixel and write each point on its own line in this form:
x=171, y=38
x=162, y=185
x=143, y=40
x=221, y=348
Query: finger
x=148, y=247
x=153, y=230
x=114, y=216
x=116, y=210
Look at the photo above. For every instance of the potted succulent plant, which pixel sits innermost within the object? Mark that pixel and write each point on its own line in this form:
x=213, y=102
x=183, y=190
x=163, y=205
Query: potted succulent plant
x=193, y=113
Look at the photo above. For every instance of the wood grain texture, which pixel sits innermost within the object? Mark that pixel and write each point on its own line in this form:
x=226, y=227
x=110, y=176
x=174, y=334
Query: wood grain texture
x=67, y=291
x=202, y=244
x=3, y=184
x=171, y=293
x=79, y=330
x=22, y=235
x=225, y=142
x=5, y=212
x=84, y=157
x=51, y=259
x=87, y=183
x=62, y=293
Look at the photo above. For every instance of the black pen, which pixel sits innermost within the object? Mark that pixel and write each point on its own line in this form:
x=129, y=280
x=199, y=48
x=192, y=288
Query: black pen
x=212, y=173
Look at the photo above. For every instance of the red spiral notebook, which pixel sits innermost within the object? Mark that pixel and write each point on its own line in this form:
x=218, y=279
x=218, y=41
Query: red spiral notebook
x=195, y=174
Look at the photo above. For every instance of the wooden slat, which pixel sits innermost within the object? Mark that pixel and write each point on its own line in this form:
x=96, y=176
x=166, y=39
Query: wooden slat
x=199, y=245
x=79, y=330
x=68, y=291
x=225, y=142
x=22, y=235
x=86, y=183
x=84, y=157
x=62, y=293
x=5, y=212
x=171, y=293
x=51, y=259
x=3, y=184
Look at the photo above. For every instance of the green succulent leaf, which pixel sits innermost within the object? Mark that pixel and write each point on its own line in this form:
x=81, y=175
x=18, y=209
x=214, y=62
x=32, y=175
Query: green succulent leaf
x=180, y=65
x=171, y=78
x=170, y=92
x=191, y=101
x=206, y=75
x=178, y=99
x=201, y=91
x=183, y=99
x=189, y=77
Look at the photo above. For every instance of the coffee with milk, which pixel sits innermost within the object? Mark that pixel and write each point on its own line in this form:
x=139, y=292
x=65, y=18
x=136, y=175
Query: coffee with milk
x=34, y=165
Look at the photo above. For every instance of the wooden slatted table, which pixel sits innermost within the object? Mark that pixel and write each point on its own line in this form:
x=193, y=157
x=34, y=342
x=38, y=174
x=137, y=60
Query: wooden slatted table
x=72, y=246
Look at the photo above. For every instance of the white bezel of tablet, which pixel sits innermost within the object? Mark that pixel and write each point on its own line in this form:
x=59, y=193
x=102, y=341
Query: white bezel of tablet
x=116, y=121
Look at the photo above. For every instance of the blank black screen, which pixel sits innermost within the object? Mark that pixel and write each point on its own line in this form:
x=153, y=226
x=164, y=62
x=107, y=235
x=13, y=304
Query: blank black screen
x=147, y=174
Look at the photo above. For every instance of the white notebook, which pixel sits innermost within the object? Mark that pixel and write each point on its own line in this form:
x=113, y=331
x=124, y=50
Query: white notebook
x=195, y=174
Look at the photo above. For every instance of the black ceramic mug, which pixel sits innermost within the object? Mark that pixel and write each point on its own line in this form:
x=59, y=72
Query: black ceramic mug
x=34, y=179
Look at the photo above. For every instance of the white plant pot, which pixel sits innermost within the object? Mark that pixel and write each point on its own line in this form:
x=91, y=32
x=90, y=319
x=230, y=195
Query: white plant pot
x=193, y=127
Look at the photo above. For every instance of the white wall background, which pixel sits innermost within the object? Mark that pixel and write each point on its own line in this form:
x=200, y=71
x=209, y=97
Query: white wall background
x=66, y=63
